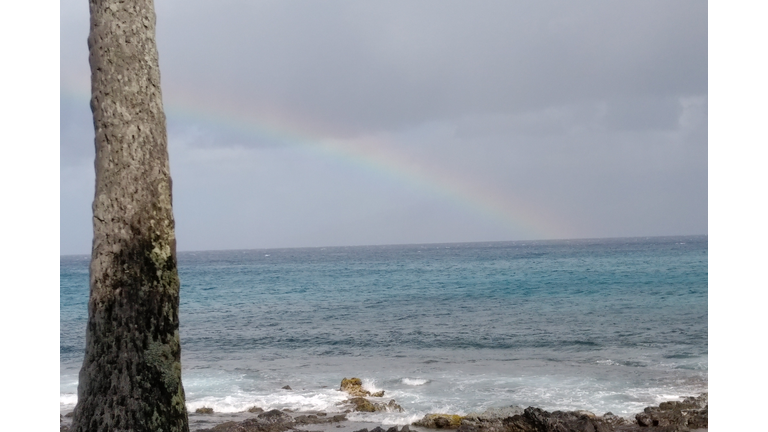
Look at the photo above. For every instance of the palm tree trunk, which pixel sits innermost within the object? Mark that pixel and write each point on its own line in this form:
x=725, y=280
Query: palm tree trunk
x=131, y=374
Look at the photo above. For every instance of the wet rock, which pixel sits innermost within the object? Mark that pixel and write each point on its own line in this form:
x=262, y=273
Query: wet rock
x=362, y=430
x=255, y=409
x=204, y=410
x=307, y=419
x=390, y=406
x=354, y=386
x=405, y=429
x=270, y=421
x=538, y=420
x=362, y=404
x=691, y=413
x=440, y=421
x=490, y=419
x=287, y=387
x=274, y=416
x=392, y=429
x=229, y=426
x=69, y=414
x=614, y=420
x=321, y=414
x=315, y=419
x=378, y=429
x=250, y=425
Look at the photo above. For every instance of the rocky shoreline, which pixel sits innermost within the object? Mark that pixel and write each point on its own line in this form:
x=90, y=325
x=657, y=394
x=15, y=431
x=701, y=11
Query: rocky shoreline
x=691, y=414
x=687, y=415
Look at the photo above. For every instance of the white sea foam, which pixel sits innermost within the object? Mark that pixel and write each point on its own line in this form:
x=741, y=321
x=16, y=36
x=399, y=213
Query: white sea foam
x=414, y=381
x=386, y=418
x=67, y=401
x=370, y=385
x=326, y=400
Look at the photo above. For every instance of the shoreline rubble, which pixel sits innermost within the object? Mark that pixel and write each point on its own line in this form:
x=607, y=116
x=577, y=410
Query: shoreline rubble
x=688, y=415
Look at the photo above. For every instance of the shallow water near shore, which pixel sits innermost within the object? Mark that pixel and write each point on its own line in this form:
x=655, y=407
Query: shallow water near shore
x=603, y=325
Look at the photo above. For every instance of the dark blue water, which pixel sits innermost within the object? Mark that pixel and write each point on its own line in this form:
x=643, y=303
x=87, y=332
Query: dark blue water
x=605, y=325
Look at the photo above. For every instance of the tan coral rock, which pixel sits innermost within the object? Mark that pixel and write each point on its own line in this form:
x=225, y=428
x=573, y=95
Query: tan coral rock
x=354, y=386
x=362, y=404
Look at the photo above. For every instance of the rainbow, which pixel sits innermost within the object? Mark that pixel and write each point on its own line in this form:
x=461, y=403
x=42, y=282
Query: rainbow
x=372, y=154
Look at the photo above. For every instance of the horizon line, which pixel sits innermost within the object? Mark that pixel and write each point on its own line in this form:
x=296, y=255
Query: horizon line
x=429, y=244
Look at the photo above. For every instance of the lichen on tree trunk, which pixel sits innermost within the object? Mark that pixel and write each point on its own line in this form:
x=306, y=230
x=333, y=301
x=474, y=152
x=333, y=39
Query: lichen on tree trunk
x=131, y=373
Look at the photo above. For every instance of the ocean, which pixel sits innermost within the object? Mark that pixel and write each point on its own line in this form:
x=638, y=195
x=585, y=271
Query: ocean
x=603, y=325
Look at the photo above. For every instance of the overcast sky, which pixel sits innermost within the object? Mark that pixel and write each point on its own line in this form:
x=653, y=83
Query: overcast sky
x=350, y=123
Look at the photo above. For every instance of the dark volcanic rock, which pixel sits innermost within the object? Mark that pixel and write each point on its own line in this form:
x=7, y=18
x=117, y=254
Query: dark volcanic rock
x=613, y=420
x=691, y=413
x=204, y=410
x=229, y=426
x=308, y=419
x=440, y=421
x=683, y=416
x=490, y=420
x=492, y=415
x=270, y=421
x=287, y=387
x=275, y=416
x=538, y=420
x=273, y=421
x=313, y=419
x=255, y=409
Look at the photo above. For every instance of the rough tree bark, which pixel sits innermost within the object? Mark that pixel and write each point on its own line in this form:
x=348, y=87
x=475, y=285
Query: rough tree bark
x=131, y=374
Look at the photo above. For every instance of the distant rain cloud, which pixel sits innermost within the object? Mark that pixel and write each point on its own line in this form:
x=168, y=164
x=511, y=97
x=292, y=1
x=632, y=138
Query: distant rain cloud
x=348, y=123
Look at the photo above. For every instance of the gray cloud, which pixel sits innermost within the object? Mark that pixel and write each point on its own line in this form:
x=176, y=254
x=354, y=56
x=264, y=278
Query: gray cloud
x=593, y=113
x=396, y=64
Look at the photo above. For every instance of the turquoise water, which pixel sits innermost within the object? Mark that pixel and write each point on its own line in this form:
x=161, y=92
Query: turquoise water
x=604, y=325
